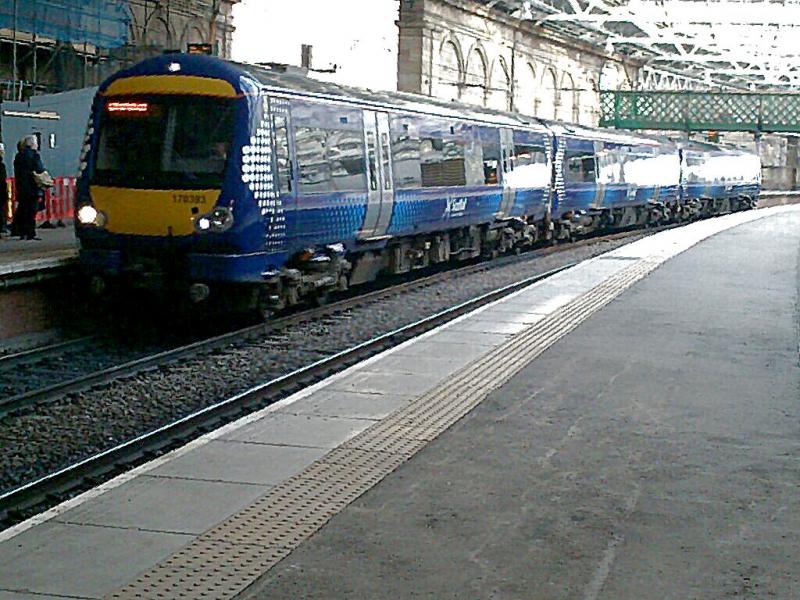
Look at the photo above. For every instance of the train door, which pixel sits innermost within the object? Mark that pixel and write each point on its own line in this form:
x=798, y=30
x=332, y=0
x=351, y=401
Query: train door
x=507, y=154
x=379, y=176
x=600, y=186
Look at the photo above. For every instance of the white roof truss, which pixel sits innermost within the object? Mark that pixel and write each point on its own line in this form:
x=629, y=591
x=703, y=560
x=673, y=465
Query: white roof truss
x=745, y=44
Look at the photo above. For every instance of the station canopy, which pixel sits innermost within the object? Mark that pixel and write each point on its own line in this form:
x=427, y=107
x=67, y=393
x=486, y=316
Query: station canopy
x=736, y=44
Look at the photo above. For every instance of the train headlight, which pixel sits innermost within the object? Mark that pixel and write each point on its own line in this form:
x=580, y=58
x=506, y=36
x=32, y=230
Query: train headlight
x=89, y=215
x=218, y=220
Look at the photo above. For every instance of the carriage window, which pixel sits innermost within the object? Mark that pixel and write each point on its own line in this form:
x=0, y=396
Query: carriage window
x=579, y=166
x=329, y=160
x=442, y=162
x=282, y=154
x=314, y=172
x=610, y=167
x=529, y=166
x=328, y=147
x=491, y=163
x=405, y=154
x=372, y=161
x=473, y=162
x=527, y=154
x=345, y=152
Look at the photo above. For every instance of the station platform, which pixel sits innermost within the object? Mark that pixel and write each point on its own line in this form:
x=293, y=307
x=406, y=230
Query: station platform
x=27, y=260
x=624, y=430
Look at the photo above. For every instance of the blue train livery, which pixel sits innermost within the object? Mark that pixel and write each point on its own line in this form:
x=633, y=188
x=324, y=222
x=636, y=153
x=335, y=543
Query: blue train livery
x=201, y=174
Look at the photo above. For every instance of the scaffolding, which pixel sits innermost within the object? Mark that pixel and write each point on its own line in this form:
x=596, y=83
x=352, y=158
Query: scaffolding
x=101, y=23
x=701, y=111
x=84, y=28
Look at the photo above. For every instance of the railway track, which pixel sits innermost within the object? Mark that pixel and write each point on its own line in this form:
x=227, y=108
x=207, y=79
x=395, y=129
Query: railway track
x=42, y=375
x=20, y=502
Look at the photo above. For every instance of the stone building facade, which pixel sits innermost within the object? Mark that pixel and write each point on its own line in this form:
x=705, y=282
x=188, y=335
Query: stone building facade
x=460, y=50
x=172, y=24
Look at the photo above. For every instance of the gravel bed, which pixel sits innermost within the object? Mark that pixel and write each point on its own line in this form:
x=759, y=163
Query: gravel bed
x=82, y=424
x=67, y=364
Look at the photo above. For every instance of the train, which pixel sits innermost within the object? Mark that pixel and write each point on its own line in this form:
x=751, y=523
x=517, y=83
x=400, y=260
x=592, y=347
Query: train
x=253, y=182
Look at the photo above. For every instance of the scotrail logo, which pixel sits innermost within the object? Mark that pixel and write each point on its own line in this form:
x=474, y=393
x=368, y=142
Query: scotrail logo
x=455, y=208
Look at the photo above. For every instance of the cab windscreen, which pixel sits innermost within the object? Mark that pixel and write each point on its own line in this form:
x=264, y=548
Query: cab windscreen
x=164, y=142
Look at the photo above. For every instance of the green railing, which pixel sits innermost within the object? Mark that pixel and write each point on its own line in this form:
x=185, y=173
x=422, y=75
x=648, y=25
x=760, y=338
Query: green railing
x=700, y=111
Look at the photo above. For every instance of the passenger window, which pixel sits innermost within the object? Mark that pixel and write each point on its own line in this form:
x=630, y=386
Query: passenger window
x=442, y=162
x=329, y=160
x=405, y=153
x=314, y=173
x=610, y=164
x=579, y=166
x=329, y=148
x=529, y=166
x=491, y=163
x=282, y=154
x=345, y=153
x=489, y=140
x=527, y=154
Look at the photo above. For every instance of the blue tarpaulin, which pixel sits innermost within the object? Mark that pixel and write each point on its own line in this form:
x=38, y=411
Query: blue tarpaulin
x=103, y=23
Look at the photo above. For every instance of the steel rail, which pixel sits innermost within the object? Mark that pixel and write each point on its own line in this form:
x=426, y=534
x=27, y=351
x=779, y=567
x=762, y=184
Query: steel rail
x=10, y=360
x=31, y=399
x=15, y=503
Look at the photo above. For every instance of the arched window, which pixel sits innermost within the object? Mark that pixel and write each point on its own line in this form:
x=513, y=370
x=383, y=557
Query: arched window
x=500, y=86
x=159, y=33
x=525, y=102
x=193, y=34
x=449, y=72
x=134, y=29
x=475, y=81
x=548, y=95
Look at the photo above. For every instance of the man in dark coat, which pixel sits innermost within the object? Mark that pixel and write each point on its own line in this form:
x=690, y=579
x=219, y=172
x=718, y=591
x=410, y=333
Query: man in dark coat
x=26, y=163
x=4, y=195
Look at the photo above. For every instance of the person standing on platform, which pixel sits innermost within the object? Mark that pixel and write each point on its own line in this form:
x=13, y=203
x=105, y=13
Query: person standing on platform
x=27, y=166
x=5, y=198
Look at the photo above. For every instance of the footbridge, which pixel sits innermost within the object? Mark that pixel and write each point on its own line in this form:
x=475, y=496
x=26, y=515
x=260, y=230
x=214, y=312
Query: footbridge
x=701, y=111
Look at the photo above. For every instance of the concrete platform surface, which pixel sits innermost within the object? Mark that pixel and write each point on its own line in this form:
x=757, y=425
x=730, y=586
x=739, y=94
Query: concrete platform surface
x=654, y=453
x=57, y=247
x=660, y=429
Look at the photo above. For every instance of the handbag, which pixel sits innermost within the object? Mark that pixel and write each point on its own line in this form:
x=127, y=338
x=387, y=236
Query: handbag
x=43, y=180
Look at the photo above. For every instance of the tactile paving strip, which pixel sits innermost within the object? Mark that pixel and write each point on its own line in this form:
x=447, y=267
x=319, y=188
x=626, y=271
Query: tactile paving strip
x=226, y=559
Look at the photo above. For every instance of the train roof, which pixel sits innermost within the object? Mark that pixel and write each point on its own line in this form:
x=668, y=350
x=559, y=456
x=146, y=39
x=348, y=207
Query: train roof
x=282, y=78
x=288, y=80
x=277, y=79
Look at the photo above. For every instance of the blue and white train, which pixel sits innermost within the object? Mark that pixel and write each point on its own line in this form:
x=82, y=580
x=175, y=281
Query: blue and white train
x=203, y=175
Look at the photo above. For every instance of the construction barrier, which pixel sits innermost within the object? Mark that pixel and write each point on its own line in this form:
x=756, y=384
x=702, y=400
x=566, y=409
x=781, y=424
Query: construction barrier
x=59, y=201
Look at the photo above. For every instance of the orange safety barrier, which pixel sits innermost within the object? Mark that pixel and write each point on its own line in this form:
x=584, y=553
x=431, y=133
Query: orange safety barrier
x=59, y=200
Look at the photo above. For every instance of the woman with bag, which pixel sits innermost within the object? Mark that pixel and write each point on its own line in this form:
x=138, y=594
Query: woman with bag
x=31, y=180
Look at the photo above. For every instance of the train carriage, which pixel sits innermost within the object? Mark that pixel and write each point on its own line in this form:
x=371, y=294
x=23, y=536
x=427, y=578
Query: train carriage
x=200, y=174
x=609, y=179
x=716, y=180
